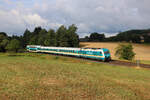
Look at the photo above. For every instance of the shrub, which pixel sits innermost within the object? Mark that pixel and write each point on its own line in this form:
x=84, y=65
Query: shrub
x=125, y=51
x=13, y=45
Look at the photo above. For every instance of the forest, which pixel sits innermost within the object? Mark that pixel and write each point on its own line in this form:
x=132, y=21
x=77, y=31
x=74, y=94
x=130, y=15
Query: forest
x=66, y=37
x=62, y=37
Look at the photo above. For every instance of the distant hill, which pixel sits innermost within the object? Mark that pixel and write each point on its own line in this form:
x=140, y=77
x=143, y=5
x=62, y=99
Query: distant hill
x=135, y=36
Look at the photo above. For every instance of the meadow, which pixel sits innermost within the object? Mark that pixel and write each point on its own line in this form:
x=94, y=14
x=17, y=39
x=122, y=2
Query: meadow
x=31, y=76
x=142, y=51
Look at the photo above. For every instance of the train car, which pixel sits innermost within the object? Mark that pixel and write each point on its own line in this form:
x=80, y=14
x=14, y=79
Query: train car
x=93, y=53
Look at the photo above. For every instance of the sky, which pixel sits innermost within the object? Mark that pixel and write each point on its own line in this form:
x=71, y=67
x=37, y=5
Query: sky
x=102, y=16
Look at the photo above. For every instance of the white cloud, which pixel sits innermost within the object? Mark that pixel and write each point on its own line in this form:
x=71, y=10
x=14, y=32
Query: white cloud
x=7, y=1
x=14, y=21
x=34, y=19
x=110, y=16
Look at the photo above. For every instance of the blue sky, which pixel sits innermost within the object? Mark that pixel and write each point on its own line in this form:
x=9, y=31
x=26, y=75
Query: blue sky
x=103, y=16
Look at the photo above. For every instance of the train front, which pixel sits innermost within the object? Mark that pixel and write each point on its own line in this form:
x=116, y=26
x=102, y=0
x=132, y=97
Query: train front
x=107, y=54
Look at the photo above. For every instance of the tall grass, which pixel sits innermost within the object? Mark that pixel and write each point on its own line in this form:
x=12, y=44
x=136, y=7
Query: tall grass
x=31, y=76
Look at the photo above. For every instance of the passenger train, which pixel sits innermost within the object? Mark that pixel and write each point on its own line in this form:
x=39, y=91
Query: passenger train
x=102, y=54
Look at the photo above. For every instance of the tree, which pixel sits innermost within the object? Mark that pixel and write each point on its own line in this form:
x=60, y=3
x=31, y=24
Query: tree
x=136, y=38
x=125, y=51
x=41, y=37
x=96, y=37
x=26, y=37
x=3, y=41
x=3, y=45
x=13, y=45
x=50, y=38
x=3, y=34
x=72, y=36
x=146, y=39
x=37, y=30
x=33, y=40
x=61, y=36
x=87, y=38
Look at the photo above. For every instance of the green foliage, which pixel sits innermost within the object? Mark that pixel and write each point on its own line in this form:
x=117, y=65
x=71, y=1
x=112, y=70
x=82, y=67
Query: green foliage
x=26, y=37
x=135, y=36
x=67, y=37
x=125, y=51
x=41, y=37
x=3, y=41
x=73, y=38
x=33, y=40
x=129, y=37
x=96, y=37
x=3, y=45
x=147, y=38
x=50, y=39
x=37, y=30
x=63, y=37
x=13, y=45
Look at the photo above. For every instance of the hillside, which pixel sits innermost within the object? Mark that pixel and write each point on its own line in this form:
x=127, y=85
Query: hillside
x=135, y=36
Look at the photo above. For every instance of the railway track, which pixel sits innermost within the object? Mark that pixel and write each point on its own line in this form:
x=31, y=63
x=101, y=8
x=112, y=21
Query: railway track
x=121, y=63
x=129, y=64
x=112, y=62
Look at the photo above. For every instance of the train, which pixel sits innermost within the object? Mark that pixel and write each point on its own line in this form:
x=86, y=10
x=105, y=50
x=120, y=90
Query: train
x=102, y=54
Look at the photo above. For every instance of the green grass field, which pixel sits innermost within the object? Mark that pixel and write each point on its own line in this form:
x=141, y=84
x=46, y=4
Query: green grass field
x=145, y=62
x=45, y=77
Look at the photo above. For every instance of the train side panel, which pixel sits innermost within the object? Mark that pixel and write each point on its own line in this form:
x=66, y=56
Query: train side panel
x=99, y=54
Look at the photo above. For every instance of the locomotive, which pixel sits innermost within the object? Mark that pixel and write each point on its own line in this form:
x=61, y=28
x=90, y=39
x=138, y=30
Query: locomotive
x=102, y=54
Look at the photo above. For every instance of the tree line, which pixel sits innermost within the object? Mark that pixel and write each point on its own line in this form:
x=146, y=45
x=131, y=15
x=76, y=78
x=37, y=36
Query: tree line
x=134, y=36
x=66, y=37
x=94, y=37
x=62, y=37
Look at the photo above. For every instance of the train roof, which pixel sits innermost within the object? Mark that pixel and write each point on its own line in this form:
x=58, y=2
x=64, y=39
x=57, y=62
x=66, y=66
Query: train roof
x=67, y=48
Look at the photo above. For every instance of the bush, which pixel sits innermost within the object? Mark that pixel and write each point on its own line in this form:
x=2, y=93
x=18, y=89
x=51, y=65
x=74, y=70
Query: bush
x=13, y=45
x=125, y=51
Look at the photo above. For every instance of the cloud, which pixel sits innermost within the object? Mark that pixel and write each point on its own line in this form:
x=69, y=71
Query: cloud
x=34, y=19
x=110, y=16
x=7, y=1
x=14, y=21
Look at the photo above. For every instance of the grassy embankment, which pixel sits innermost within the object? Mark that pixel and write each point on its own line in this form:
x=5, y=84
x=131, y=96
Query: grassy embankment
x=46, y=77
